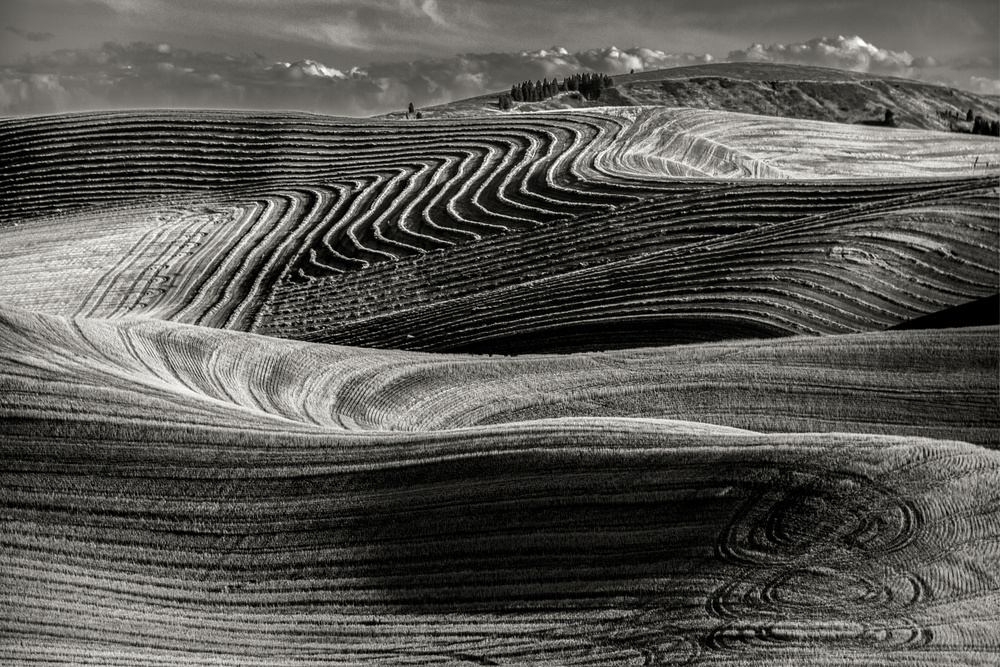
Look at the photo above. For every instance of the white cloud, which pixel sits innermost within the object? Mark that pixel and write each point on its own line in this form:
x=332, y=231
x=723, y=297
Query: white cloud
x=430, y=8
x=616, y=61
x=297, y=71
x=985, y=85
x=439, y=80
x=848, y=53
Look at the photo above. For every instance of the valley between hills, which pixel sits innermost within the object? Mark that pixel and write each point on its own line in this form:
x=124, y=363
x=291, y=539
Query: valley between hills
x=635, y=384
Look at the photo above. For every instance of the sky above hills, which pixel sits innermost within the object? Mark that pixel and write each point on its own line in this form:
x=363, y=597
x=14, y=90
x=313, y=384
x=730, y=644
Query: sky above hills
x=363, y=57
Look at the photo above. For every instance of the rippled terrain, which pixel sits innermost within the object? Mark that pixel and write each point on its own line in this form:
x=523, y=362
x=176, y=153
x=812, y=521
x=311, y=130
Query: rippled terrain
x=610, y=386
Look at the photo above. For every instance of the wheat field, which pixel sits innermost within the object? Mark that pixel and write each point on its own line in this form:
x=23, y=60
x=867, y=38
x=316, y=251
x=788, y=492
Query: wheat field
x=617, y=386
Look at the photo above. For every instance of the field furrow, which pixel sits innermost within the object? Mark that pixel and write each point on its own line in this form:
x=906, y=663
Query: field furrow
x=402, y=189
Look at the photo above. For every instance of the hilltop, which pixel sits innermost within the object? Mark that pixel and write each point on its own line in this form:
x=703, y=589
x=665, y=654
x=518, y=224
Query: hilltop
x=788, y=91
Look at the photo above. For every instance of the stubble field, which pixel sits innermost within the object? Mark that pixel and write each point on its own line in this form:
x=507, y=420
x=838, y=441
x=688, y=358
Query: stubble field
x=608, y=386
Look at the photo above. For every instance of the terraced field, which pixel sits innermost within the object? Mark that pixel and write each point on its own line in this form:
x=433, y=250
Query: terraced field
x=255, y=407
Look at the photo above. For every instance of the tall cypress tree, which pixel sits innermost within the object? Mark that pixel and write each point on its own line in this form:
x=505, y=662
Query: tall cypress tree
x=596, y=87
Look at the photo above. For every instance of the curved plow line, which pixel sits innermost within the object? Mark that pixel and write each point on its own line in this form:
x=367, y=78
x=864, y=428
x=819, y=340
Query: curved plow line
x=536, y=168
x=486, y=169
x=355, y=223
x=497, y=310
x=192, y=286
x=690, y=147
x=486, y=258
x=435, y=177
x=556, y=152
x=609, y=163
x=680, y=266
x=477, y=319
x=402, y=187
x=492, y=157
x=173, y=262
x=791, y=229
x=359, y=226
x=783, y=231
x=593, y=191
x=263, y=266
x=269, y=273
x=99, y=294
x=442, y=181
x=321, y=231
x=520, y=179
x=201, y=295
x=605, y=131
x=136, y=266
x=216, y=291
x=362, y=190
x=335, y=223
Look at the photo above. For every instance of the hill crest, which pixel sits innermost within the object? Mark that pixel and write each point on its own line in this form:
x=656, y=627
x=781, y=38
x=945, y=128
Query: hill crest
x=770, y=89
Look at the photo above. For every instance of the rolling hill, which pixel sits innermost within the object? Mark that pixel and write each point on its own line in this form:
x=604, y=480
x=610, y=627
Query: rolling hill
x=769, y=89
x=618, y=385
x=306, y=227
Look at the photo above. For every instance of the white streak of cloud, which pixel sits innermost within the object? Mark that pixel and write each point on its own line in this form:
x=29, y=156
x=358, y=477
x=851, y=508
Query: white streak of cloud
x=430, y=8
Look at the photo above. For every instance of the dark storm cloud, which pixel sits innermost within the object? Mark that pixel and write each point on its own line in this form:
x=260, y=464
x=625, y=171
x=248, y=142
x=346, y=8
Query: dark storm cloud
x=30, y=36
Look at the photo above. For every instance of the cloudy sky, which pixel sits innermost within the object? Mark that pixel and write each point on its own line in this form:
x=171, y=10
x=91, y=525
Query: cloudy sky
x=363, y=57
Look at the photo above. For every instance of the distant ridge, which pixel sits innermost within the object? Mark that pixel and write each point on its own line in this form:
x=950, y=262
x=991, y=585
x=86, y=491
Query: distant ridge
x=770, y=89
x=750, y=71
